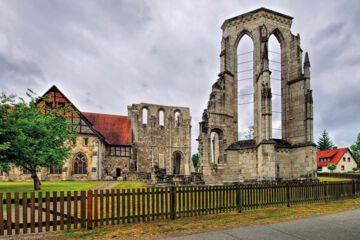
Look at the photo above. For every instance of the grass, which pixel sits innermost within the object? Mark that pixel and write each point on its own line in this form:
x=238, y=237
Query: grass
x=189, y=225
x=130, y=185
x=12, y=187
x=331, y=179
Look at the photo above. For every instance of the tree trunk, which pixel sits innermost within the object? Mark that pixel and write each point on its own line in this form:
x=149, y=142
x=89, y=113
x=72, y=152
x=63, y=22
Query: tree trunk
x=36, y=181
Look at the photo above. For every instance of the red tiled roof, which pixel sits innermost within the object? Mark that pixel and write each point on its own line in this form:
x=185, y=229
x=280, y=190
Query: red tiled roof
x=116, y=129
x=334, y=154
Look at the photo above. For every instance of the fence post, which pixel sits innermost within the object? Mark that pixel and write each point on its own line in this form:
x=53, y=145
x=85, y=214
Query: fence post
x=238, y=199
x=325, y=190
x=83, y=209
x=353, y=189
x=172, y=202
x=288, y=194
x=89, y=209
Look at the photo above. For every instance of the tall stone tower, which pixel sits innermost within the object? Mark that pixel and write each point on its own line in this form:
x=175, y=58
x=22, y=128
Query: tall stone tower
x=224, y=157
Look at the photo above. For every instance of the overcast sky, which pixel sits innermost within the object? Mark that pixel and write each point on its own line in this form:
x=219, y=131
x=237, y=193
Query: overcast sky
x=105, y=55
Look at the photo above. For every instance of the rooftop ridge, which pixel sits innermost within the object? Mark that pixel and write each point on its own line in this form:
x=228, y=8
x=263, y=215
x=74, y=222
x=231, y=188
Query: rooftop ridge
x=255, y=11
x=116, y=115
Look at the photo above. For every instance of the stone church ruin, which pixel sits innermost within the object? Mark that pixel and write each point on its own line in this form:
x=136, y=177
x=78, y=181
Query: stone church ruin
x=224, y=158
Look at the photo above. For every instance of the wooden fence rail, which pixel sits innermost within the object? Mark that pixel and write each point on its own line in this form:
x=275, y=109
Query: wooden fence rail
x=20, y=214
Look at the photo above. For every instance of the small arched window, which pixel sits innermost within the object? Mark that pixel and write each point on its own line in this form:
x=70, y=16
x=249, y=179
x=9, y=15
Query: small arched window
x=144, y=116
x=80, y=164
x=177, y=118
x=161, y=117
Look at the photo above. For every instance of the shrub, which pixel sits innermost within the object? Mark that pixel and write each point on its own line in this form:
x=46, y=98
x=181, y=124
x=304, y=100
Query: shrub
x=331, y=167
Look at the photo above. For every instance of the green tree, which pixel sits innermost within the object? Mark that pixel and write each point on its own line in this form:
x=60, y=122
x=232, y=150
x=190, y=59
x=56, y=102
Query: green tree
x=195, y=160
x=324, y=142
x=250, y=133
x=33, y=136
x=355, y=149
x=331, y=167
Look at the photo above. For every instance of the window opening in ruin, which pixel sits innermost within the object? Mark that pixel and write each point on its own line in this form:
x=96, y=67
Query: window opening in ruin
x=274, y=52
x=215, y=147
x=86, y=140
x=177, y=162
x=161, y=117
x=144, y=116
x=80, y=164
x=245, y=90
x=177, y=118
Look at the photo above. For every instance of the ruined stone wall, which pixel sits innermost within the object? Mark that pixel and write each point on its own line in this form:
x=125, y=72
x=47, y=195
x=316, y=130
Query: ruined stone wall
x=111, y=163
x=270, y=160
x=156, y=144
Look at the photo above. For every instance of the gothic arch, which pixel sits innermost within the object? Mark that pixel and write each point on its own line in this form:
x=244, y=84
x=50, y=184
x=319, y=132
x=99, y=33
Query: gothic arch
x=80, y=163
x=241, y=35
x=279, y=36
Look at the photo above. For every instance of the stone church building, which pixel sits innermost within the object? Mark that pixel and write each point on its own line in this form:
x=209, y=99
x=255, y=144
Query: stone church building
x=151, y=136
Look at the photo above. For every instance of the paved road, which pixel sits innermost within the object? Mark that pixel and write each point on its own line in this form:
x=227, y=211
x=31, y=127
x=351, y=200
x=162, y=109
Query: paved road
x=344, y=225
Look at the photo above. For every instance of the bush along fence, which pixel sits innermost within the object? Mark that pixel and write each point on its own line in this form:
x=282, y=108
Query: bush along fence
x=28, y=213
x=353, y=176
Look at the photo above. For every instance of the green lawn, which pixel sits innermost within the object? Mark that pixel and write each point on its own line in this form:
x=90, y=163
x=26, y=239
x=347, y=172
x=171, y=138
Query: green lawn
x=329, y=179
x=12, y=187
x=130, y=185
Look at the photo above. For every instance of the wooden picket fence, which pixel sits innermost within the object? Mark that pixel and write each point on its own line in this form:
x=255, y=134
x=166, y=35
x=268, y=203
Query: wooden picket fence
x=91, y=209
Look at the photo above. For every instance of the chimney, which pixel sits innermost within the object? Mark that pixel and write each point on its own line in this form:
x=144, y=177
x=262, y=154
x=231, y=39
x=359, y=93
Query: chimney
x=335, y=147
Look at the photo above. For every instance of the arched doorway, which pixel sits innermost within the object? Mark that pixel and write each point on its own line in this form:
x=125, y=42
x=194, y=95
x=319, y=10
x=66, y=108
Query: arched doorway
x=177, y=163
x=118, y=172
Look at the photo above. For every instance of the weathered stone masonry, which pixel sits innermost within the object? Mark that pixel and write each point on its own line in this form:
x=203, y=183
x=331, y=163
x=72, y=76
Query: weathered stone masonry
x=262, y=158
x=163, y=139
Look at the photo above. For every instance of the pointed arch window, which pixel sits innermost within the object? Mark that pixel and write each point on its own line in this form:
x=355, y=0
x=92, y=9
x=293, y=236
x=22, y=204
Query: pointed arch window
x=80, y=164
x=275, y=84
x=245, y=86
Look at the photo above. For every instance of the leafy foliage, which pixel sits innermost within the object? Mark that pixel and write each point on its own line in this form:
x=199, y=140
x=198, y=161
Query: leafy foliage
x=324, y=142
x=195, y=160
x=331, y=167
x=33, y=135
x=250, y=133
x=355, y=149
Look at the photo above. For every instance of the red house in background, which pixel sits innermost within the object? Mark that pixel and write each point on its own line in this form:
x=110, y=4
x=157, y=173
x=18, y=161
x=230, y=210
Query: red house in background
x=342, y=158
